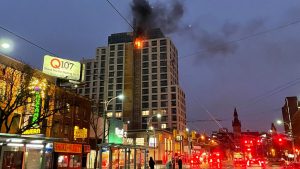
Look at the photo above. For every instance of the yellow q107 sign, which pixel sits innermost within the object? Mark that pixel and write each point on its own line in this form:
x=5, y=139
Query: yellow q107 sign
x=61, y=68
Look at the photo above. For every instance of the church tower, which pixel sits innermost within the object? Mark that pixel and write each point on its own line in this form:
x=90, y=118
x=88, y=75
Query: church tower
x=236, y=125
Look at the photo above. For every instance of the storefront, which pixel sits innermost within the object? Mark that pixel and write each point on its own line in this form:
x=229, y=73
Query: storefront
x=123, y=156
x=67, y=156
x=19, y=151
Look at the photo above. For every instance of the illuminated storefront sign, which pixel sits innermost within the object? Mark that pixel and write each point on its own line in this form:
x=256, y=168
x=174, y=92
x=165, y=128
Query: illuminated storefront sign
x=67, y=148
x=139, y=141
x=128, y=141
x=80, y=133
x=152, y=142
x=37, y=107
x=116, y=131
x=62, y=68
x=32, y=131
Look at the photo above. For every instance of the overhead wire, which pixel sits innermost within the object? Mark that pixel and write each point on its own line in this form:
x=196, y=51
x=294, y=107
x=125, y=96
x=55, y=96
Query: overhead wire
x=270, y=93
x=120, y=14
x=26, y=40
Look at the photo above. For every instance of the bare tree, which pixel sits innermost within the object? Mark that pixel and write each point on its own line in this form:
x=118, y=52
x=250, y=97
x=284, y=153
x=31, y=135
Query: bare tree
x=24, y=93
x=96, y=122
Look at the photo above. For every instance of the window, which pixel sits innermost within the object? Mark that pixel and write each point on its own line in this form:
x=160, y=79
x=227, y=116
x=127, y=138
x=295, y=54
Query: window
x=154, y=70
x=164, y=104
x=145, y=105
x=95, y=71
x=88, y=72
x=120, y=67
x=118, y=114
x=163, y=126
x=112, y=47
x=163, y=42
x=154, y=77
x=119, y=80
x=145, y=113
x=163, y=90
x=119, y=73
x=163, y=49
x=120, y=53
x=110, y=80
x=66, y=129
x=154, y=63
x=154, y=83
x=111, y=74
x=163, y=69
x=174, y=118
x=95, y=64
x=164, y=97
x=154, y=104
x=173, y=96
x=145, y=98
x=145, y=91
x=154, y=90
x=163, y=56
x=145, y=71
x=164, y=118
x=112, y=54
x=88, y=65
x=154, y=97
x=145, y=58
x=145, y=84
x=145, y=65
x=163, y=83
x=146, y=44
x=145, y=51
x=118, y=106
x=111, y=61
x=145, y=78
x=94, y=90
x=154, y=49
x=154, y=43
x=120, y=47
x=111, y=68
x=163, y=63
x=163, y=76
x=154, y=56
x=119, y=86
x=88, y=78
x=173, y=89
x=173, y=103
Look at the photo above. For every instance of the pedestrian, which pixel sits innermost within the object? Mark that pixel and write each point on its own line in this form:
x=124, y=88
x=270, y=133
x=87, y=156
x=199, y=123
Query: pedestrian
x=151, y=163
x=173, y=163
x=179, y=161
x=169, y=165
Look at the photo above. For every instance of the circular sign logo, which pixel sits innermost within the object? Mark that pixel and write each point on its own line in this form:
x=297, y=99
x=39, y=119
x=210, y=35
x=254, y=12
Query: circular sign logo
x=55, y=63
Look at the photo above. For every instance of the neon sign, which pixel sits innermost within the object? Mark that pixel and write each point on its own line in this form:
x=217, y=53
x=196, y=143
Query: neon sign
x=37, y=107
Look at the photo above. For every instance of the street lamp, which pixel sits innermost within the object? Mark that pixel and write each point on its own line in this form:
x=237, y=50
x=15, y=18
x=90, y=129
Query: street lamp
x=6, y=45
x=152, y=128
x=106, y=103
x=279, y=122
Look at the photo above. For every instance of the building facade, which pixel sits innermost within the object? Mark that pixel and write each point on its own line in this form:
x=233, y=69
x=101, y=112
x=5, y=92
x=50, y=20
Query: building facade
x=147, y=77
x=32, y=104
x=291, y=115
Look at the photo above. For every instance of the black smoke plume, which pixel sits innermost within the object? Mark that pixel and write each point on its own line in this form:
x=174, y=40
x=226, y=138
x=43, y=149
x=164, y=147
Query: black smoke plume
x=165, y=16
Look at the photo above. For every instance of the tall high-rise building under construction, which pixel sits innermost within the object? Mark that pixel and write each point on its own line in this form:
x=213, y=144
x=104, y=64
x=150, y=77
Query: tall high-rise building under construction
x=147, y=76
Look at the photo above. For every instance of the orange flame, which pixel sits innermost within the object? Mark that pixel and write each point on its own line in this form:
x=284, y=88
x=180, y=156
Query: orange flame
x=138, y=43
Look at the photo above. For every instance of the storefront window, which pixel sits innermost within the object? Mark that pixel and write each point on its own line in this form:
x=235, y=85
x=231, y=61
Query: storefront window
x=33, y=158
x=75, y=161
x=63, y=161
